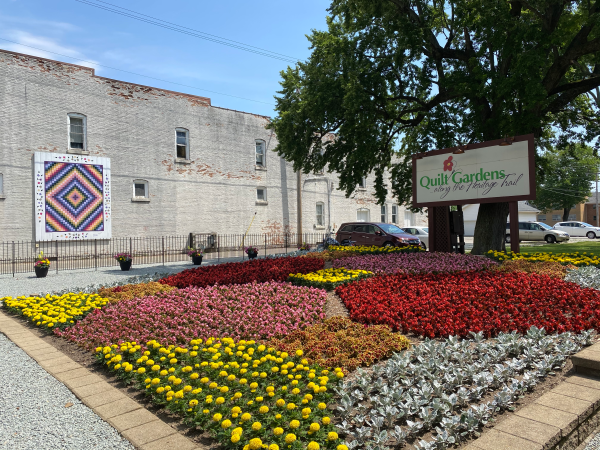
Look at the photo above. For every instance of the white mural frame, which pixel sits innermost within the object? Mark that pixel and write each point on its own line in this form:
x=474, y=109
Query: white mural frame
x=39, y=191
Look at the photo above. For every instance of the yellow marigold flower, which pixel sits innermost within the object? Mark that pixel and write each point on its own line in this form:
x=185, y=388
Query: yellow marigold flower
x=280, y=402
x=299, y=353
x=237, y=431
x=290, y=438
x=313, y=446
x=255, y=444
x=193, y=403
x=246, y=417
x=235, y=438
x=315, y=427
x=263, y=409
x=278, y=431
x=294, y=424
x=321, y=405
x=291, y=406
x=236, y=410
x=217, y=417
x=306, y=411
x=326, y=420
x=332, y=436
x=341, y=447
x=256, y=426
x=226, y=424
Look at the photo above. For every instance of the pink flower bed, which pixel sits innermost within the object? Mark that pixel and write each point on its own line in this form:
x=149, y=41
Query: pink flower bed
x=249, y=311
x=415, y=262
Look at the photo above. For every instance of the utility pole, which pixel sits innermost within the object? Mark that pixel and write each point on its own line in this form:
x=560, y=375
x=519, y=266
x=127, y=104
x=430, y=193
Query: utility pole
x=299, y=207
x=597, y=218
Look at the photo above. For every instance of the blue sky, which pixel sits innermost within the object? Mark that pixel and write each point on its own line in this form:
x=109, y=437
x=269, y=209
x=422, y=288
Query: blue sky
x=84, y=32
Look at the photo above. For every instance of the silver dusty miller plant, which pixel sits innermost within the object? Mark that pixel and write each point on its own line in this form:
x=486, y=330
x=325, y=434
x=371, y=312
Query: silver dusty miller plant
x=438, y=387
x=587, y=277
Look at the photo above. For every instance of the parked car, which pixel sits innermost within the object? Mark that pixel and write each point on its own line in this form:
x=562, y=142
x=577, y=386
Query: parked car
x=578, y=229
x=538, y=231
x=375, y=233
x=421, y=232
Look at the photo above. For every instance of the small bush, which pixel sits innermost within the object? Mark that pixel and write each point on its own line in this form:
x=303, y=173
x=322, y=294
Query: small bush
x=129, y=291
x=553, y=269
x=339, y=342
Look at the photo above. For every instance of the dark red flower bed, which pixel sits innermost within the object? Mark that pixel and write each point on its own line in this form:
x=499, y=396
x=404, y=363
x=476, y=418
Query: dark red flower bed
x=455, y=304
x=259, y=270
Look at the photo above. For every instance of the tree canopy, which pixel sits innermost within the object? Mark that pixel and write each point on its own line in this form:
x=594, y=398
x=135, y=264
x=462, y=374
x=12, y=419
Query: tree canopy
x=567, y=182
x=396, y=77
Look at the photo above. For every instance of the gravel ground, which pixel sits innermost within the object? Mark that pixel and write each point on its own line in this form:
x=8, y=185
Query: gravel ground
x=594, y=444
x=27, y=283
x=34, y=413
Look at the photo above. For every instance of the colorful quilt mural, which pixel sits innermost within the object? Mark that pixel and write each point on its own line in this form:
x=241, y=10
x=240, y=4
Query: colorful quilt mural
x=72, y=197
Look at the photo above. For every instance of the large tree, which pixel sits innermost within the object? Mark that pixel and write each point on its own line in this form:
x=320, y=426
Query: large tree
x=569, y=173
x=396, y=77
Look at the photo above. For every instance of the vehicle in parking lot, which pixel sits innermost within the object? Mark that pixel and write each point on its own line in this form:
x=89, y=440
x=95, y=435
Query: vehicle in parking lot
x=421, y=232
x=578, y=229
x=538, y=231
x=375, y=233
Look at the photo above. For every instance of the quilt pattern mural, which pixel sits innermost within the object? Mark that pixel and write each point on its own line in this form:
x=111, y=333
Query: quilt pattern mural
x=72, y=197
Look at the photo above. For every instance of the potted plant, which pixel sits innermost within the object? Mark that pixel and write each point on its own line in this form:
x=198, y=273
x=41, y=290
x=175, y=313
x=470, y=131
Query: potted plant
x=196, y=254
x=304, y=247
x=252, y=252
x=41, y=266
x=124, y=260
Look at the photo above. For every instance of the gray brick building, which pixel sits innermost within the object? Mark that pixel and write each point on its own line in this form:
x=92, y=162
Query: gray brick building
x=178, y=163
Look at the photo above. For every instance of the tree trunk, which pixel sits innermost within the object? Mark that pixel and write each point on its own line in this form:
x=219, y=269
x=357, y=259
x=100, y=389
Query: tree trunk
x=566, y=214
x=490, y=228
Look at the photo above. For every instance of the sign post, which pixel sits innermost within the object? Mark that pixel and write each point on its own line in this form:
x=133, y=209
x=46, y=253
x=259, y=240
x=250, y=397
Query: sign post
x=501, y=170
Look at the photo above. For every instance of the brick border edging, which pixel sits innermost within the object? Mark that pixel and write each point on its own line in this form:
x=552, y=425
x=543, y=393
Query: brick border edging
x=561, y=419
x=139, y=426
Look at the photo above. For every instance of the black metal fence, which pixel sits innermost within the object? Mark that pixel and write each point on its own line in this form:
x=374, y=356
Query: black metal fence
x=20, y=256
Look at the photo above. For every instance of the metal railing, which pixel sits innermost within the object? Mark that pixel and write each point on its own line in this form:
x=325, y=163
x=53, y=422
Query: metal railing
x=20, y=256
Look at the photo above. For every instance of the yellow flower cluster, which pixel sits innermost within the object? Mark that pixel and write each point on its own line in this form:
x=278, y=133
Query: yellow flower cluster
x=576, y=258
x=374, y=250
x=328, y=278
x=249, y=396
x=54, y=311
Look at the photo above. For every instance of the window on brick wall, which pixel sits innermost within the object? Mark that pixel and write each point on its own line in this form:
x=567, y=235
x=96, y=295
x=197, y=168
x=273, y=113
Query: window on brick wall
x=140, y=189
x=383, y=213
x=260, y=153
x=556, y=217
x=77, y=131
x=541, y=217
x=394, y=213
x=261, y=194
x=363, y=183
x=182, y=144
x=320, y=209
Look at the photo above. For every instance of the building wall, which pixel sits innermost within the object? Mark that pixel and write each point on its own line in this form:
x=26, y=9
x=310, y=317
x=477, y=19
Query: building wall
x=215, y=191
x=576, y=213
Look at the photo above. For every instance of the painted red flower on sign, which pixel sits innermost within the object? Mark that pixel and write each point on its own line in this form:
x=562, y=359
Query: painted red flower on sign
x=448, y=164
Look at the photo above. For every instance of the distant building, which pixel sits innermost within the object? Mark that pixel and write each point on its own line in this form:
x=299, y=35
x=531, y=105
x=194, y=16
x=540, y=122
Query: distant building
x=177, y=163
x=527, y=213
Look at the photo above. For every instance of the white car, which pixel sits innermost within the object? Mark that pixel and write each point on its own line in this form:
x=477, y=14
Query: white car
x=422, y=232
x=537, y=231
x=578, y=229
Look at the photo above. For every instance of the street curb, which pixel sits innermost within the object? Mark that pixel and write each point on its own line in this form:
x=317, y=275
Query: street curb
x=135, y=423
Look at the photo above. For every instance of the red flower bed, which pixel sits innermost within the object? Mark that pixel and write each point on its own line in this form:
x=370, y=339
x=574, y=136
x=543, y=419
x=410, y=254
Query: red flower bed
x=259, y=270
x=455, y=304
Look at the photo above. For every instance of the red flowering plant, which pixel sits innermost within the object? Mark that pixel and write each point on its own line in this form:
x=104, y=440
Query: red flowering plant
x=262, y=270
x=435, y=305
x=194, y=252
x=40, y=261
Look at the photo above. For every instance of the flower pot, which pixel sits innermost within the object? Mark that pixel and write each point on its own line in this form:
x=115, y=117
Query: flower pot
x=252, y=255
x=41, y=272
x=125, y=265
x=197, y=260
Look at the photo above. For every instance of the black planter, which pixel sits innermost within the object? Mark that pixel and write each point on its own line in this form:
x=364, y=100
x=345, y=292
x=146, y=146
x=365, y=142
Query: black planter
x=125, y=265
x=197, y=260
x=41, y=272
x=252, y=255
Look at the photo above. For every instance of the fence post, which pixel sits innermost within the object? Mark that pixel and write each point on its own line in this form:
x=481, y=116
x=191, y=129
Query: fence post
x=13, y=258
x=131, y=247
x=163, y=250
x=96, y=253
x=56, y=250
x=265, y=245
x=218, y=250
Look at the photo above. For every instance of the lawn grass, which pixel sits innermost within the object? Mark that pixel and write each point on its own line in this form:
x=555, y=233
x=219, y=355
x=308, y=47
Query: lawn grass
x=591, y=247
